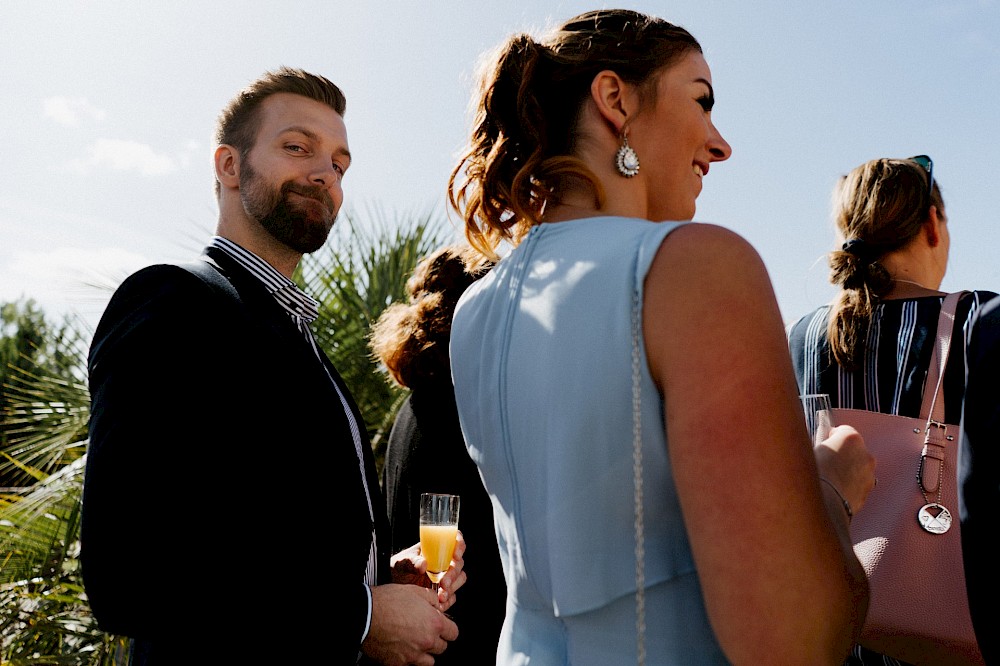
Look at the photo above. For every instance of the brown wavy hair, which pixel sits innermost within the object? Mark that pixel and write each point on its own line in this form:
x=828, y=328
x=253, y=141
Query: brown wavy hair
x=411, y=338
x=882, y=203
x=530, y=96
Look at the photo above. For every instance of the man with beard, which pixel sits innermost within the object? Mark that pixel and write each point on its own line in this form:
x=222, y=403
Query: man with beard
x=225, y=450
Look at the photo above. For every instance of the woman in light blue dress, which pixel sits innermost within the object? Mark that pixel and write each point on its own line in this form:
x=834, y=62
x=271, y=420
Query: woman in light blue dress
x=623, y=381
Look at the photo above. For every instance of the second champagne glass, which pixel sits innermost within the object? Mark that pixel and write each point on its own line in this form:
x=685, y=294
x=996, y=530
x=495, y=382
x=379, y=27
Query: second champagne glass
x=819, y=417
x=438, y=532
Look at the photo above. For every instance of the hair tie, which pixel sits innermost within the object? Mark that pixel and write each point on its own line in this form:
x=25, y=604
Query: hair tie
x=858, y=248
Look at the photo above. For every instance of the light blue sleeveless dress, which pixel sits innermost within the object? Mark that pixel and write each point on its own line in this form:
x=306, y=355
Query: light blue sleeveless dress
x=541, y=352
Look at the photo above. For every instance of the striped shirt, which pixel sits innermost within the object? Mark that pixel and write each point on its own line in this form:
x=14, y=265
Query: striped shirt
x=898, y=346
x=303, y=310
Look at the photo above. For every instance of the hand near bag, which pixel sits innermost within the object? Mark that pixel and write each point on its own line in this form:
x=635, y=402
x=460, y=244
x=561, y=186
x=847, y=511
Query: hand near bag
x=845, y=463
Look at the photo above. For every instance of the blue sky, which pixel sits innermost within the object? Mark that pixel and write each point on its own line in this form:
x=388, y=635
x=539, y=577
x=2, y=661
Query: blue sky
x=107, y=113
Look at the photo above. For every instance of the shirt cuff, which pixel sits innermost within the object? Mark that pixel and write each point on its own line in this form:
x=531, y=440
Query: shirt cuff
x=368, y=622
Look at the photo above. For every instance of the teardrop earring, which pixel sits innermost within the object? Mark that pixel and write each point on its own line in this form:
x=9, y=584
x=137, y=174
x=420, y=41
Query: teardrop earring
x=626, y=160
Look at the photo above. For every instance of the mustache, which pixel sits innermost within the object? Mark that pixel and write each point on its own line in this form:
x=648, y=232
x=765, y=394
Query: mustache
x=317, y=192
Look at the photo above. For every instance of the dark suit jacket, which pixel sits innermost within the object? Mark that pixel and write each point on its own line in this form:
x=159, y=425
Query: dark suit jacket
x=427, y=453
x=222, y=506
x=979, y=479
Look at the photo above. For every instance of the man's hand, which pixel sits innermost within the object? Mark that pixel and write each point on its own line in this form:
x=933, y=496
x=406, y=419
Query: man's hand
x=409, y=567
x=407, y=626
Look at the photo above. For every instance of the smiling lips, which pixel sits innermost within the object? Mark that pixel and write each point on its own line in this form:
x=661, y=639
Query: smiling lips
x=316, y=194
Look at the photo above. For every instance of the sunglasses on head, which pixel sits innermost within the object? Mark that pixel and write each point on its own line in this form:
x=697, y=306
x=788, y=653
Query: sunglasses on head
x=927, y=164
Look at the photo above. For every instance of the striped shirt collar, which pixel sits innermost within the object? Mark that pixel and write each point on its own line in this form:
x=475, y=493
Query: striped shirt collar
x=285, y=292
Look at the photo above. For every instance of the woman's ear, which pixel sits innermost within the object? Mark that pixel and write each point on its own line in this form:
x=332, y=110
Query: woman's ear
x=613, y=99
x=932, y=226
x=227, y=166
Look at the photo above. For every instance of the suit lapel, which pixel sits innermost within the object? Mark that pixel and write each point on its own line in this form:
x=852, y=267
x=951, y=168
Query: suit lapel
x=265, y=311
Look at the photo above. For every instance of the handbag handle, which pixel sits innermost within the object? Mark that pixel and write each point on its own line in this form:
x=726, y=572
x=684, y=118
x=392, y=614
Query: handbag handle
x=932, y=407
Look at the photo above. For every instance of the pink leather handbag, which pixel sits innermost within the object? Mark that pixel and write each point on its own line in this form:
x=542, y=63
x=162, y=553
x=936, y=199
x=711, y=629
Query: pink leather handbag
x=907, y=534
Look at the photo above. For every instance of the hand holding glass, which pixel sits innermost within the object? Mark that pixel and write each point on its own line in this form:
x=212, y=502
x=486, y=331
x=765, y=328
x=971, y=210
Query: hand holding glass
x=819, y=417
x=438, y=533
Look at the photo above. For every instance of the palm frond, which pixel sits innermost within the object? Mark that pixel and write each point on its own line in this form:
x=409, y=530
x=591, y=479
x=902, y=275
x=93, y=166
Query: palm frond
x=44, y=614
x=361, y=271
x=46, y=408
x=39, y=530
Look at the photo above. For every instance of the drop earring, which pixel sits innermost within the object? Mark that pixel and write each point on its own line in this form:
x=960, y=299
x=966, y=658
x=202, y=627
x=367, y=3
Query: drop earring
x=625, y=159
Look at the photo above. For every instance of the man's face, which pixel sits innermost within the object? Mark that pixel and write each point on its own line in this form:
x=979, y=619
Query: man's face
x=290, y=181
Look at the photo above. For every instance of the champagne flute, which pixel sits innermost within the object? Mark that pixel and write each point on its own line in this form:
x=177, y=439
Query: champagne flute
x=438, y=533
x=819, y=417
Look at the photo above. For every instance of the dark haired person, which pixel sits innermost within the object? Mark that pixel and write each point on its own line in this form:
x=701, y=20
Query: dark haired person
x=426, y=452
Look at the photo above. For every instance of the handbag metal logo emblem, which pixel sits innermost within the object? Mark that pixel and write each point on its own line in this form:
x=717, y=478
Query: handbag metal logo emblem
x=933, y=516
x=935, y=524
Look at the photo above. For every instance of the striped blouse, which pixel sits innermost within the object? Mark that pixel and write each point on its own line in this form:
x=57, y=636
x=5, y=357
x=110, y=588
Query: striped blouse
x=898, y=349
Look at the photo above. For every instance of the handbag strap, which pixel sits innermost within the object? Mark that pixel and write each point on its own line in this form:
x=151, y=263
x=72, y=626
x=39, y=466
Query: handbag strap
x=936, y=438
x=932, y=407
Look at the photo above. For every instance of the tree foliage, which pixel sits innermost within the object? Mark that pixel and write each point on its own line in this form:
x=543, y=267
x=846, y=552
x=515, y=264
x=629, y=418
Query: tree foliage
x=44, y=615
x=355, y=277
x=42, y=369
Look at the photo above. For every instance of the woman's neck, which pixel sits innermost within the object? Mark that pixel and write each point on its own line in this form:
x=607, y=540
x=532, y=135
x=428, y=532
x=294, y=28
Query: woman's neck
x=903, y=288
x=563, y=212
x=914, y=272
x=576, y=200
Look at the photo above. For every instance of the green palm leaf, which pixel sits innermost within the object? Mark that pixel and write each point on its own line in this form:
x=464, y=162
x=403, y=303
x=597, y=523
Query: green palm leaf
x=362, y=269
x=44, y=614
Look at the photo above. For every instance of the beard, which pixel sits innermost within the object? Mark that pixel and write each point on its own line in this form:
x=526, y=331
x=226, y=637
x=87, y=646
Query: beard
x=303, y=226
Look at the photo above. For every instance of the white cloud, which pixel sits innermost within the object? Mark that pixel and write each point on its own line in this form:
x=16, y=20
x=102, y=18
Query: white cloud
x=67, y=270
x=68, y=279
x=69, y=110
x=190, y=148
x=124, y=155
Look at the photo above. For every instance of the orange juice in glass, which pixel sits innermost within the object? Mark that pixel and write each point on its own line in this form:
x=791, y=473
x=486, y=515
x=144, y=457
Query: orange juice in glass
x=438, y=532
